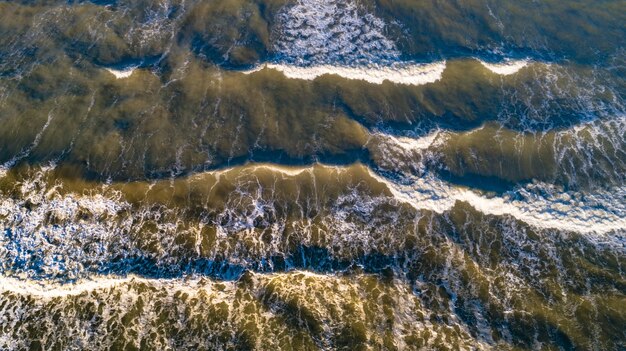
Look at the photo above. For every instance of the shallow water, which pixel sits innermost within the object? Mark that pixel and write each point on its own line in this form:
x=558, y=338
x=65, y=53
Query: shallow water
x=312, y=175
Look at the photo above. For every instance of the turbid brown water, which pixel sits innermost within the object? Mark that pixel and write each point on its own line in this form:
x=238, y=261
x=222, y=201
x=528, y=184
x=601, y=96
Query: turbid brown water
x=369, y=175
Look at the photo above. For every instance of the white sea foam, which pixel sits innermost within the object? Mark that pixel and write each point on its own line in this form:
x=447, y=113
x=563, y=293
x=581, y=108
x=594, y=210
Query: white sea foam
x=539, y=205
x=316, y=38
x=399, y=72
x=288, y=171
x=47, y=235
x=409, y=74
x=506, y=67
x=122, y=73
x=330, y=31
x=114, y=297
x=50, y=291
x=414, y=144
x=57, y=235
x=45, y=290
x=319, y=37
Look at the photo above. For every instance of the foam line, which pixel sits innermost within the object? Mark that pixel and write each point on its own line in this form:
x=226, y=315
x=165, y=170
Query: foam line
x=50, y=291
x=414, y=144
x=600, y=213
x=541, y=205
x=408, y=74
x=47, y=290
x=285, y=170
x=507, y=67
x=123, y=73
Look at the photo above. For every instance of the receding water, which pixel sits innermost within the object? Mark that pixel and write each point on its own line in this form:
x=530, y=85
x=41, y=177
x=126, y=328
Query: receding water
x=312, y=174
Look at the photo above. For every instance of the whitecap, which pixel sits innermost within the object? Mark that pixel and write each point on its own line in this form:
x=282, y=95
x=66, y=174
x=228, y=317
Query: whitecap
x=49, y=291
x=506, y=67
x=285, y=170
x=44, y=290
x=122, y=73
x=540, y=205
x=424, y=142
x=408, y=74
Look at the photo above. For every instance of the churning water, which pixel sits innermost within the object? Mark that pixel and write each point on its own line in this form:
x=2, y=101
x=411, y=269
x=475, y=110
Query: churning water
x=312, y=174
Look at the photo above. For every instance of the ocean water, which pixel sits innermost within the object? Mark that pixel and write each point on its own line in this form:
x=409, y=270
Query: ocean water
x=313, y=175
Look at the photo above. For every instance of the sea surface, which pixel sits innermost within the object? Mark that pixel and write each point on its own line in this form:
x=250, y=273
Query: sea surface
x=313, y=175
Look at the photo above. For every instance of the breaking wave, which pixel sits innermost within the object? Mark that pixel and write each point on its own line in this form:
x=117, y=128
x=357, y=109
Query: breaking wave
x=460, y=186
x=409, y=74
x=52, y=234
x=316, y=38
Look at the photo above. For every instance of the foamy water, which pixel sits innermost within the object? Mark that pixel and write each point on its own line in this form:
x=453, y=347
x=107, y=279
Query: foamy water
x=408, y=74
x=47, y=233
x=316, y=38
x=228, y=299
x=600, y=213
x=400, y=72
x=541, y=205
x=193, y=285
x=506, y=67
x=49, y=291
x=321, y=32
x=414, y=144
x=121, y=73
x=472, y=212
